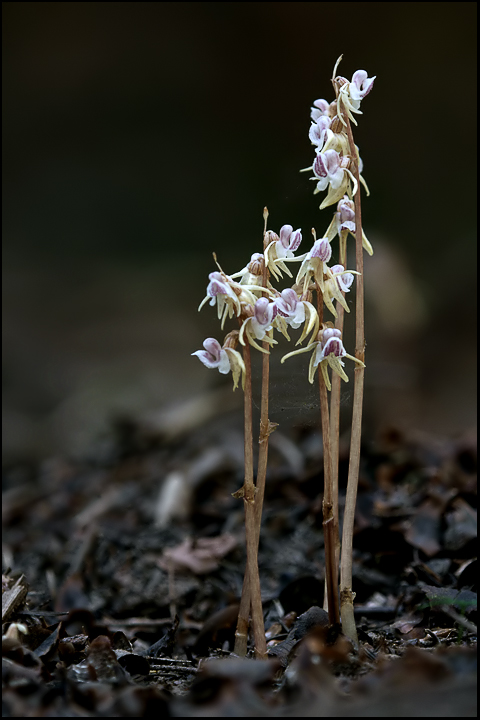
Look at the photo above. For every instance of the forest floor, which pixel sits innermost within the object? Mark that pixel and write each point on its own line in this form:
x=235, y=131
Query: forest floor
x=123, y=571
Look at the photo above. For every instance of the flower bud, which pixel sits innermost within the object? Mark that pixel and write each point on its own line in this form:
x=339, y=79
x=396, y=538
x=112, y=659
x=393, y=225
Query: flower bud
x=256, y=264
x=247, y=311
x=270, y=237
x=337, y=125
x=231, y=340
x=346, y=210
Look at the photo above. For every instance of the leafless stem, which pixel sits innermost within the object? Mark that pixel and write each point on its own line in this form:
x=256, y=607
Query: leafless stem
x=250, y=516
x=330, y=526
x=335, y=397
x=241, y=634
x=346, y=595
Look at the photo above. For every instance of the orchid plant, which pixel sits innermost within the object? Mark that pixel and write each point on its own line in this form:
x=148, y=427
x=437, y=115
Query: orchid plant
x=261, y=310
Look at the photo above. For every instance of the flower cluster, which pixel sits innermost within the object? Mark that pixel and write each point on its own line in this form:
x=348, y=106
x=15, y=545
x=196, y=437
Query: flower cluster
x=332, y=166
x=248, y=294
x=262, y=309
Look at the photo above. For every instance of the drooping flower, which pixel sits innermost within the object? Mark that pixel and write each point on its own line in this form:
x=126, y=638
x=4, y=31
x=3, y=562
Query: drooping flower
x=314, y=263
x=350, y=94
x=214, y=356
x=327, y=351
x=343, y=277
x=225, y=358
x=360, y=86
x=321, y=109
x=331, y=171
x=294, y=312
x=328, y=170
x=345, y=215
x=278, y=249
x=343, y=222
x=320, y=132
x=337, y=279
x=259, y=323
x=229, y=295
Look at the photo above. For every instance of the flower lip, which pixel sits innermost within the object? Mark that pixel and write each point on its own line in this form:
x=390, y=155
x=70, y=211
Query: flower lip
x=214, y=356
x=213, y=348
x=288, y=242
x=321, y=249
x=285, y=233
x=318, y=130
x=361, y=85
x=265, y=311
x=217, y=285
x=333, y=346
x=321, y=108
x=322, y=105
x=344, y=279
x=287, y=302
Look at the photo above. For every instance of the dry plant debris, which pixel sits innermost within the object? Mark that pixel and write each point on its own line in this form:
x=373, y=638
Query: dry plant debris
x=106, y=628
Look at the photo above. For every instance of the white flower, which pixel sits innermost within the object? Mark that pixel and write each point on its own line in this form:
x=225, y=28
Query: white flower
x=294, y=312
x=229, y=295
x=278, y=249
x=328, y=169
x=350, y=94
x=321, y=108
x=225, y=359
x=343, y=223
x=328, y=350
x=344, y=277
x=338, y=279
x=263, y=317
x=360, y=87
x=331, y=170
x=313, y=264
x=214, y=356
x=257, y=325
x=320, y=132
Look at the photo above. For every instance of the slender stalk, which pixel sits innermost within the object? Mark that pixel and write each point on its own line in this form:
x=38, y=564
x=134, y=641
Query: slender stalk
x=335, y=397
x=346, y=594
x=329, y=521
x=250, y=516
x=266, y=427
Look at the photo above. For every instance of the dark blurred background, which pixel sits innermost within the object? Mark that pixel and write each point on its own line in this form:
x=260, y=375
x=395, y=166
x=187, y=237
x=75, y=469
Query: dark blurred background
x=140, y=137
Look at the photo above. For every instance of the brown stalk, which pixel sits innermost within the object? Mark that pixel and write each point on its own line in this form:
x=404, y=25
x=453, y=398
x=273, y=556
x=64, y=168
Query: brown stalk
x=249, y=500
x=241, y=634
x=335, y=397
x=346, y=594
x=330, y=531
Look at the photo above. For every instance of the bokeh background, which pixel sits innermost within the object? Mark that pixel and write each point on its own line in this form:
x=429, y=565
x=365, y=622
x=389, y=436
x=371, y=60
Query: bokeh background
x=140, y=137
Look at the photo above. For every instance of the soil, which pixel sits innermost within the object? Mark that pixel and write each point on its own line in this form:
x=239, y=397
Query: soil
x=123, y=571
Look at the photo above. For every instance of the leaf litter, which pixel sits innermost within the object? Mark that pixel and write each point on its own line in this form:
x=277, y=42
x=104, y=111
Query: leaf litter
x=123, y=572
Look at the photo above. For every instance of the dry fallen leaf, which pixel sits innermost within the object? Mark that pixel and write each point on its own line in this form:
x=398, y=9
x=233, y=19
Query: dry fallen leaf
x=200, y=556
